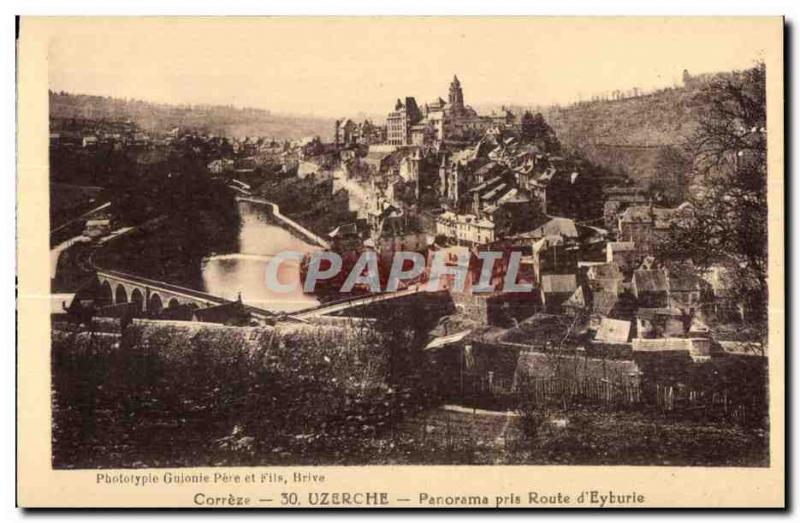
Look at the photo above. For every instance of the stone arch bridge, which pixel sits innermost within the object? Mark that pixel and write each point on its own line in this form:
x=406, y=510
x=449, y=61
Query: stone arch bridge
x=150, y=296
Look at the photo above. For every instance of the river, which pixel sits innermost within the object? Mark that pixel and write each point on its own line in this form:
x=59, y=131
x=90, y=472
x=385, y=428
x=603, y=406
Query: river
x=244, y=272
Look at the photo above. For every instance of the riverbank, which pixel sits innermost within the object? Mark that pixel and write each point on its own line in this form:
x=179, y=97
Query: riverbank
x=155, y=252
x=310, y=202
x=158, y=254
x=273, y=210
x=243, y=272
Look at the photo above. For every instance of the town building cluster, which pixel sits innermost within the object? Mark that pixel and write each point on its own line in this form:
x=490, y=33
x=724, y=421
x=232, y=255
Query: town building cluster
x=91, y=134
x=442, y=177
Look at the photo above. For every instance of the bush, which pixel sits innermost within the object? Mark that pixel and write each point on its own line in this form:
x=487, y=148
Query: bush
x=174, y=396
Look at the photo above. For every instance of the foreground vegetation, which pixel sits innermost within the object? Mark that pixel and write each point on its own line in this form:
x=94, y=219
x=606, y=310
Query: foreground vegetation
x=198, y=395
x=585, y=437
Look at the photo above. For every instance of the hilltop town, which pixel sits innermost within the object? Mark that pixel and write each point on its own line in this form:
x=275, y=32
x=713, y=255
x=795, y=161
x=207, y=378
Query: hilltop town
x=612, y=286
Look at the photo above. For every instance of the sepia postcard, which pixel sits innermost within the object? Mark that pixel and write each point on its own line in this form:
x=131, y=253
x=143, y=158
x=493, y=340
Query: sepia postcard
x=400, y=262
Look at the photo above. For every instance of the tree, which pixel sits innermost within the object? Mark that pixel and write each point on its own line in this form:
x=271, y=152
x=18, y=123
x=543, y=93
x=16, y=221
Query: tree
x=576, y=191
x=535, y=130
x=199, y=217
x=729, y=224
x=673, y=166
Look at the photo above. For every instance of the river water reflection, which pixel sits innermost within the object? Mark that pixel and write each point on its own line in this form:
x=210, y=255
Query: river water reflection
x=244, y=272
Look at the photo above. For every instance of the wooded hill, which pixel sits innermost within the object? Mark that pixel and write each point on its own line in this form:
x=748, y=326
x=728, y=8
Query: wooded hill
x=213, y=119
x=630, y=134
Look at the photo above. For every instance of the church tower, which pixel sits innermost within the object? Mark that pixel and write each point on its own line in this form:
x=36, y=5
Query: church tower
x=456, y=97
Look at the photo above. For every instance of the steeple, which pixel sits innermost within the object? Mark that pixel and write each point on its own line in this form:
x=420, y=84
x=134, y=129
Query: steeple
x=456, y=96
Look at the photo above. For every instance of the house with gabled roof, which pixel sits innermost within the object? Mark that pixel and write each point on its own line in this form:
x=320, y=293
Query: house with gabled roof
x=553, y=255
x=651, y=288
x=660, y=322
x=613, y=331
x=685, y=290
x=556, y=289
x=624, y=254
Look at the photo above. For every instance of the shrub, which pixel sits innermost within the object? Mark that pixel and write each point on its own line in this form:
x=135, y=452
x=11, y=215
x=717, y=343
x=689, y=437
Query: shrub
x=204, y=396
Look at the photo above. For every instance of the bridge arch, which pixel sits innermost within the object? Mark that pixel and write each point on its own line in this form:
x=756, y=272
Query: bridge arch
x=105, y=296
x=120, y=295
x=130, y=288
x=155, y=305
x=137, y=298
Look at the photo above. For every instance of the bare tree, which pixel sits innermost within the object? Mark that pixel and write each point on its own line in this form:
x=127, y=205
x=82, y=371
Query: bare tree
x=729, y=224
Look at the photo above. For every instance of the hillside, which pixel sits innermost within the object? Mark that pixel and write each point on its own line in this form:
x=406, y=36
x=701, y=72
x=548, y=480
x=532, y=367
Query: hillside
x=663, y=117
x=215, y=119
x=628, y=135
x=631, y=134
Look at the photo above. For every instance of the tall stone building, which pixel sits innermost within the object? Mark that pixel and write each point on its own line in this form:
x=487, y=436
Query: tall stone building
x=454, y=120
x=345, y=132
x=456, y=97
x=400, y=121
x=348, y=133
x=437, y=121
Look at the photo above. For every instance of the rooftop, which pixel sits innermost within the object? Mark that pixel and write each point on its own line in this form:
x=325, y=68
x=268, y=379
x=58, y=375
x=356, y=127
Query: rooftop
x=603, y=301
x=650, y=281
x=554, y=226
x=613, y=331
x=621, y=246
x=608, y=270
x=559, y=283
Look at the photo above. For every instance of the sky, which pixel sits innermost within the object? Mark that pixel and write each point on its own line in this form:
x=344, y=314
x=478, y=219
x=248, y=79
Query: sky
x=336, y=67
